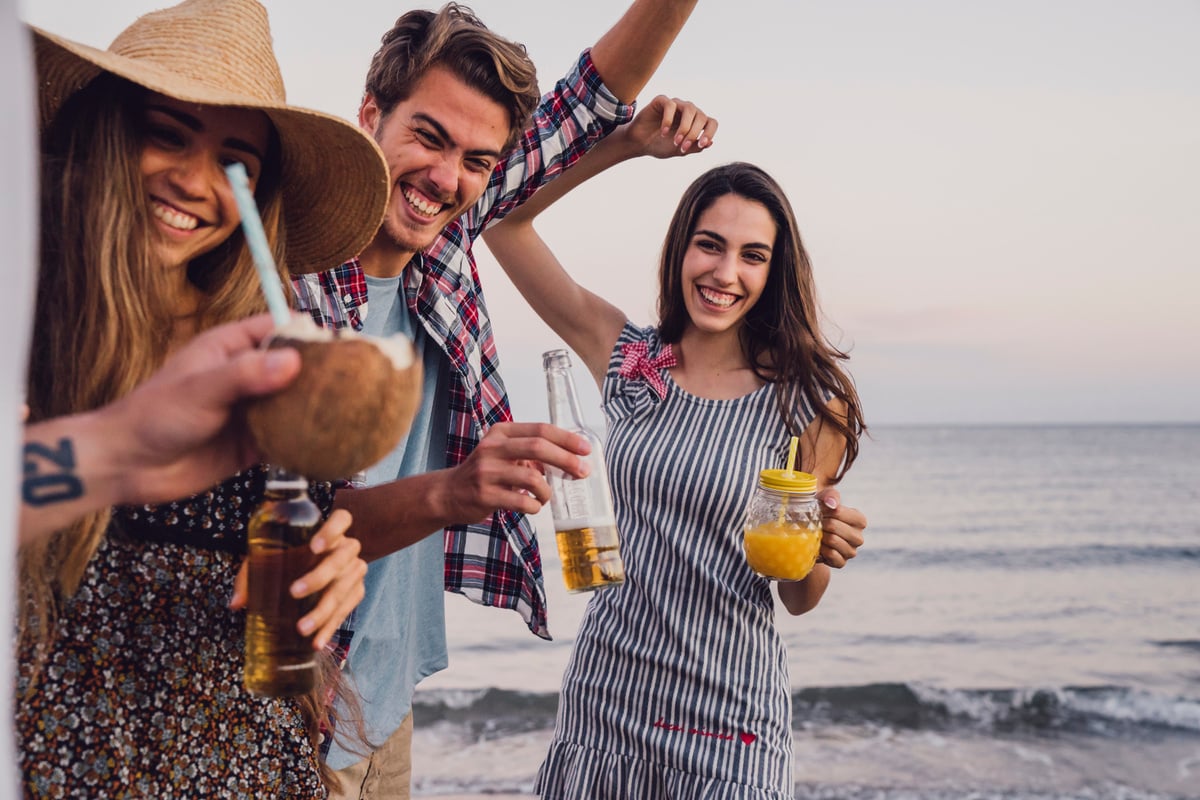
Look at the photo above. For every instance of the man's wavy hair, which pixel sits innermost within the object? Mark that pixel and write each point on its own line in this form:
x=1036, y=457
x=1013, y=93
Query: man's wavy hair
x=455, y=39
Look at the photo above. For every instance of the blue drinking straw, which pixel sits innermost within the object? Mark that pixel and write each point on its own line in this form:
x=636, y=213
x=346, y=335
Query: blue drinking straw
x=256, y=238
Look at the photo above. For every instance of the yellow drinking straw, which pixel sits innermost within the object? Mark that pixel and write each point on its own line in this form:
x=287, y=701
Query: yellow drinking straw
x=791, y=464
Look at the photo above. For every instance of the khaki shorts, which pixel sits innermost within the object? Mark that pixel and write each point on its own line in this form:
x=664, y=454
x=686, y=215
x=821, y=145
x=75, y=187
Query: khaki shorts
x=386, y=774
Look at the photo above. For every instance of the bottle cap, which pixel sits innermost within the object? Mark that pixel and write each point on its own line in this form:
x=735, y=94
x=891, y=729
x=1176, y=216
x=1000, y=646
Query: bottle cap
x=783, y=480
x=279, y=478
x=556, y=359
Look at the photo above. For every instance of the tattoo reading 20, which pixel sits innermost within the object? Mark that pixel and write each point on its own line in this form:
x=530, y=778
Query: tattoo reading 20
x=50, y=474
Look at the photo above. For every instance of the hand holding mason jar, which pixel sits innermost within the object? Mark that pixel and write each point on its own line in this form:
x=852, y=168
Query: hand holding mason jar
x=782, y=535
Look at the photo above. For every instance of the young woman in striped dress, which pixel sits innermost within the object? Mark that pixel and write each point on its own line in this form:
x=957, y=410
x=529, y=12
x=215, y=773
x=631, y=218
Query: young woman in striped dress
x=678, y=684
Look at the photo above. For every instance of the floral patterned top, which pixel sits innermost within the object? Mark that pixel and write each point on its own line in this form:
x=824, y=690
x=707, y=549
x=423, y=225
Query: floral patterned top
x=141, y=691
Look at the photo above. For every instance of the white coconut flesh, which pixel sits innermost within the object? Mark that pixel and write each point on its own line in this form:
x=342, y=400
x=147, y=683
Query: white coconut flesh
x=398, y=348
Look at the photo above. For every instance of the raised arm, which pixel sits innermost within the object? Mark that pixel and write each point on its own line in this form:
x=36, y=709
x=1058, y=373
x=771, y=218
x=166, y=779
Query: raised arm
x=627, y=55
x=584, y=106
x=589, y=324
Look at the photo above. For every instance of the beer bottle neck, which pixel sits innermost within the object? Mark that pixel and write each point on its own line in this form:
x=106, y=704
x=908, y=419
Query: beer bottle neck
x=282, y=483
x=564, y=402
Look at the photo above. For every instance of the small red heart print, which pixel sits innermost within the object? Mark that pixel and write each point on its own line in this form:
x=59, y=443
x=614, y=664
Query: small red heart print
x=749, y=738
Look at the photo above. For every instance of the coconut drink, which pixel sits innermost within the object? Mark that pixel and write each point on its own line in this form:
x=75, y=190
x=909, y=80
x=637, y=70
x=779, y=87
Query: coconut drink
x=355, y=395
x=353, y=400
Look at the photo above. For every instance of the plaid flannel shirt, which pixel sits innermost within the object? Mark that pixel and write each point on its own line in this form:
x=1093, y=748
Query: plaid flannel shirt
x=496, y=562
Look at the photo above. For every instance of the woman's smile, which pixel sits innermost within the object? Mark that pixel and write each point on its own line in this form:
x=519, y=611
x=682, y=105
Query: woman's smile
x=185, y=148
x=727, y=262
x=716, y=297
x=171, y=217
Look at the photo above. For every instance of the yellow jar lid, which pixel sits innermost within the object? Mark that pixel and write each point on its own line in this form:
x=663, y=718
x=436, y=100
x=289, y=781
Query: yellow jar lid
x=781, y=480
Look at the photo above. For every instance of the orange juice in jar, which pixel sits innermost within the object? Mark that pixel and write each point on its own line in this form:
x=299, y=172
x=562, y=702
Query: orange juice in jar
x=782, y=534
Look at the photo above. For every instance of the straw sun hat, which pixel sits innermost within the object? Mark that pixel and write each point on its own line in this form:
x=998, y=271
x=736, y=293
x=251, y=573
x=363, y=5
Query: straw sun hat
x=218, y=52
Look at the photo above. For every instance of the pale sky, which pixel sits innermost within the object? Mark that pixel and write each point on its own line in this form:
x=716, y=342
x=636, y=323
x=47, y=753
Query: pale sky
x=1002, y=200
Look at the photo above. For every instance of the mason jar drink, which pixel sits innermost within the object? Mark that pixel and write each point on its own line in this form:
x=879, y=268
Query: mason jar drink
x=782, y=534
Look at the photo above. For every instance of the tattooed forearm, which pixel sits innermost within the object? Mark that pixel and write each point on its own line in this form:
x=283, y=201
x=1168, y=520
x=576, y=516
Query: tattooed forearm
x=50, y=474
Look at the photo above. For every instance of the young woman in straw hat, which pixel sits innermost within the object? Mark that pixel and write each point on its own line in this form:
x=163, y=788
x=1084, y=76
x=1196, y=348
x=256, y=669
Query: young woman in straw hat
x=130, y=655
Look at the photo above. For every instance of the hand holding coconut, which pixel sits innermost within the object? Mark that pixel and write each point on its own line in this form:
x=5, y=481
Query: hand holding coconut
x=175, y=434
x=183, y=434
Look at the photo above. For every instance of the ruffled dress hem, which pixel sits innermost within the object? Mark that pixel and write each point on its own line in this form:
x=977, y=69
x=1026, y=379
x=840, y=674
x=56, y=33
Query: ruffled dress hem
x=572, y=771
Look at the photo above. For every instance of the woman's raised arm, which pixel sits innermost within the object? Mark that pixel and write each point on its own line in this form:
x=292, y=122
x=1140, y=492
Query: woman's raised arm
x=588, y=323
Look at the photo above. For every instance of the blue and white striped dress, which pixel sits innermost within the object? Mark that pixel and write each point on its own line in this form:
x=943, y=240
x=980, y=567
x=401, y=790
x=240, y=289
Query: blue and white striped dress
x=678, y=683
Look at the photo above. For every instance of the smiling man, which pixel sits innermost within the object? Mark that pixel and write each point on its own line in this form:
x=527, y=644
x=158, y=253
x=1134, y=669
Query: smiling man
x=455, y=109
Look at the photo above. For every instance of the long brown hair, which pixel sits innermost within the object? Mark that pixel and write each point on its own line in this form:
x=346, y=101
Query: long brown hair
x=781, y=335
x=102, y=316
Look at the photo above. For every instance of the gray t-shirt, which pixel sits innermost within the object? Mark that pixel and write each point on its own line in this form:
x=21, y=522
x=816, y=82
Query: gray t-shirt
x=400, y=626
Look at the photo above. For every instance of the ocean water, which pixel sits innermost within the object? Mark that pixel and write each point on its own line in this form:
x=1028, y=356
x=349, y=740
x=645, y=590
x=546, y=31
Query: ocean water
x=1023, y=622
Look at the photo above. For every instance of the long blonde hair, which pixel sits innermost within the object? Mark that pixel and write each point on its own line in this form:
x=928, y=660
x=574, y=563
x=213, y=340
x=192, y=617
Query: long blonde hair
x=103, y=314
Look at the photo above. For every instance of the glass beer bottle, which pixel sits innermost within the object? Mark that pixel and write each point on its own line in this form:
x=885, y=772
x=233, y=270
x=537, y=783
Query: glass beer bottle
x=280, y=661
x=585, y=526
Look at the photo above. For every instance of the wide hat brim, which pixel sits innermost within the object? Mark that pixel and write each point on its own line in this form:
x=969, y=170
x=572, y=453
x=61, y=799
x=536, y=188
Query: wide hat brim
x=334, y=177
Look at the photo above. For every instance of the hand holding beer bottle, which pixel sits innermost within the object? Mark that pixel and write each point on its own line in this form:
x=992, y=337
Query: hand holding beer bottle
x=584, y=523
x=299, y=582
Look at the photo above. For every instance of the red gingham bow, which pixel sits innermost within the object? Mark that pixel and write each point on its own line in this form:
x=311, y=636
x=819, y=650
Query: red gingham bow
x=638, y=365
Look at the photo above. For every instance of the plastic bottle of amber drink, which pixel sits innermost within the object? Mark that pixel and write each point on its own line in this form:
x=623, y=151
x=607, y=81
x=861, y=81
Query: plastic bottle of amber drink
x=584, y=523
x=280, y=662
